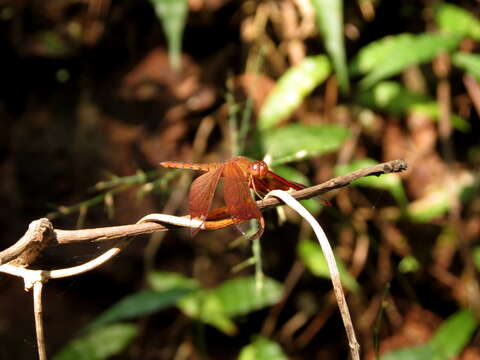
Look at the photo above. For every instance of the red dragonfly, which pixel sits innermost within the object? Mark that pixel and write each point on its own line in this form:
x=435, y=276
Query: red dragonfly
x=239, y=174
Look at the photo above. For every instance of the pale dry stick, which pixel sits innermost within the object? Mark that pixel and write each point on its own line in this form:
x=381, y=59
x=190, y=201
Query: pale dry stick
x=37, y=309
x=332, y=267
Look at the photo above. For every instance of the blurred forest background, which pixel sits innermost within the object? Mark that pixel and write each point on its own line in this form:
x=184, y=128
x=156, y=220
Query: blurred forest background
x=95, y=93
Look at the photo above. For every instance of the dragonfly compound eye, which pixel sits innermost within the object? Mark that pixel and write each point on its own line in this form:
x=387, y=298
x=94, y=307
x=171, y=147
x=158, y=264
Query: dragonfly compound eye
x=259, y=168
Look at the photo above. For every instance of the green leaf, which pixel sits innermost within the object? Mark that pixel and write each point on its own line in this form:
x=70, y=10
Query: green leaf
x=392, y=97
x=172, y=14
x=468, y=62
x=296, y=141
x=433, y=205
x=457, y=20
x=205, y=306
x=290, y=90
x=447, y=342
x=139, y=304
x=418, y=352
x=313, y=258
x=163, y=281
x=454, y=334
x=240, y=296
x=389, y=182
x=235, y=297
x=99, y=344
x=262, y=349
x=391, y=55
x=329, y=15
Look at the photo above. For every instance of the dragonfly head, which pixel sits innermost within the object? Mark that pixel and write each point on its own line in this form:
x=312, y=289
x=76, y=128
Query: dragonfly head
x=258, y=168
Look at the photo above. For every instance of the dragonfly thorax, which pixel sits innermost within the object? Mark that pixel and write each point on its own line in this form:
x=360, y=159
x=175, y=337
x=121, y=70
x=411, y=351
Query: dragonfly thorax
x=258, y=168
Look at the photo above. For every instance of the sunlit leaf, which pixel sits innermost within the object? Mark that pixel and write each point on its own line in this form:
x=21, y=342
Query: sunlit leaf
x=240, y=296
x=100, y=343
x=163, y=281
x=296, y=141
x=392, y=97
x=433, y=205
x=457, y=20
x=140, y=304
x=313, y=258
x=235, y=297
x=447, y=342
x=390, y=182
x=172, y=14
x=205, y=306
x=262, y=349
x=468, y=62
x=389, y=56
x=438, y=200
x=291, y=89
x=329, y=15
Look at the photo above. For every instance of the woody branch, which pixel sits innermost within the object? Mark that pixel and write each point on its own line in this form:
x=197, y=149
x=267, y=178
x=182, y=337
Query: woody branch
x=41, y=233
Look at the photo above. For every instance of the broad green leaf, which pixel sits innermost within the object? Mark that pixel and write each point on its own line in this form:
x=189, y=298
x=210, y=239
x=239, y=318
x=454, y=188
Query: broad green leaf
x=240, y=296
x=296, y=141
x=329, y=15
x=205, y=306
x=262, y=349
x=235, y=297
x=390, y=56
x=99, y=344
x=455, y=19
x=163, y=281
x=393, y=98
x=376, y=52
x=447, y=342
x=312, y=205
x=468, y=62
x=290, y=90
x=140, y=304
x=313, y=258
x=437, y=201
x=390, y=182
x=172, y=15
x=429, y=207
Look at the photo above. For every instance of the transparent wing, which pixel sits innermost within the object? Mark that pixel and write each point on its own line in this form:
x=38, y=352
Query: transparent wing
x=201, y=194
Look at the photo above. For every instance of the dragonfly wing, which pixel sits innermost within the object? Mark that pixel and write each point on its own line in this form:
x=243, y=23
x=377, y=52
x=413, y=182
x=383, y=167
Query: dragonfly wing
x=238, y=199
x=201, y=194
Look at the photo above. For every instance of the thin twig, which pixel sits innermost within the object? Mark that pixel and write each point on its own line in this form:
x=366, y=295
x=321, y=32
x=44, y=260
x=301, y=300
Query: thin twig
x=38, y=311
